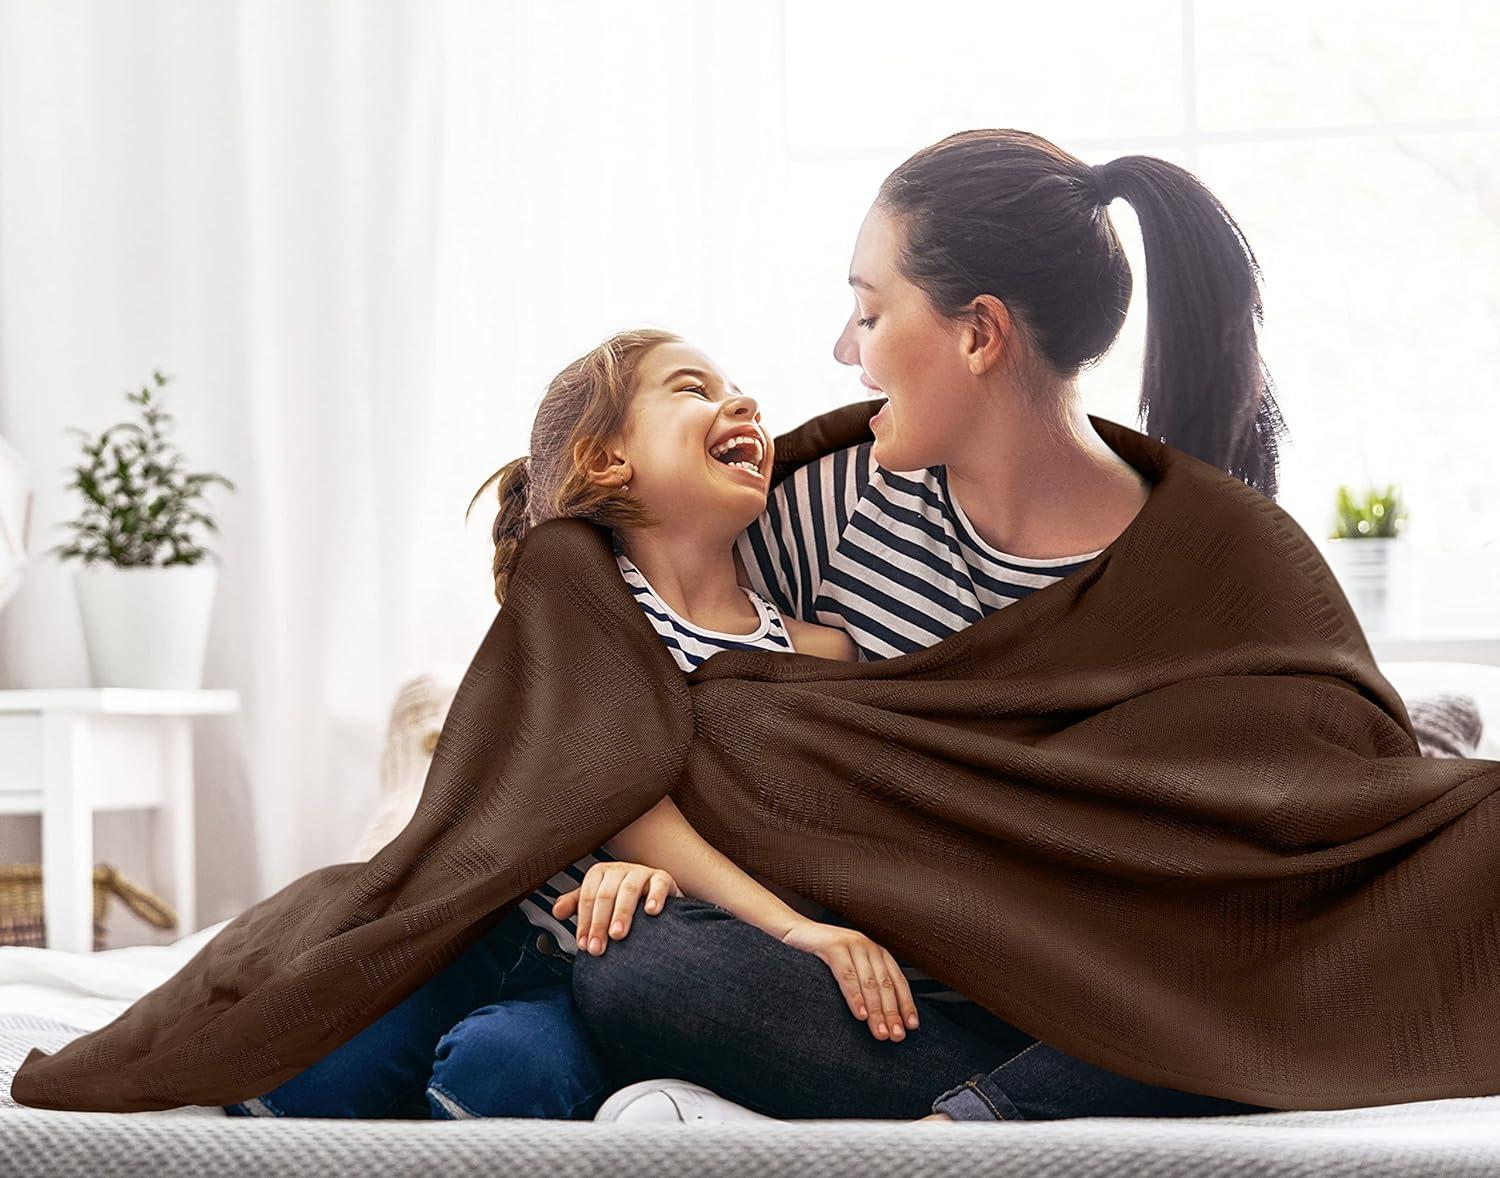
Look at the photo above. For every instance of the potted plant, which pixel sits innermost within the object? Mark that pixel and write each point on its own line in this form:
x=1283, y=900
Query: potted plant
x=1368, y=554
x=146, y=587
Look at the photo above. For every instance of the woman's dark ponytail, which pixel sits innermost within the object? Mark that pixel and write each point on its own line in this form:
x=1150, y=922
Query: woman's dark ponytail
x=1009, y=214
x=1205, y=388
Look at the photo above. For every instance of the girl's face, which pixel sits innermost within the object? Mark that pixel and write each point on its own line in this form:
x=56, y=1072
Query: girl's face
x=684, y=407
x=906, y=352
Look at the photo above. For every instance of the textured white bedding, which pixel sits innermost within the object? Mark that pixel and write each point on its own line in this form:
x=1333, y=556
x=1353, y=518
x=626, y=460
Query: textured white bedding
x=47, y=997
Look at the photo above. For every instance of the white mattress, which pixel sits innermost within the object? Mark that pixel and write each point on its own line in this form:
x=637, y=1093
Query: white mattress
x=48, y=996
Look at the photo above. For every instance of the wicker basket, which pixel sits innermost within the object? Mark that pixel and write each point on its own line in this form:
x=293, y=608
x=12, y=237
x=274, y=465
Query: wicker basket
x=21, y=917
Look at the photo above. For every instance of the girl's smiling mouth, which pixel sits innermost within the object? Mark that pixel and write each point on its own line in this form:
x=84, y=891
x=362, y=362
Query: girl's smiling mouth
x=741, y=450
x=744, y=470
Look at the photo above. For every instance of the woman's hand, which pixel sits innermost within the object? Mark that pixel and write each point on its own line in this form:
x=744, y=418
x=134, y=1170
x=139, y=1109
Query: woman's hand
x=872, y=983
x=613, y=888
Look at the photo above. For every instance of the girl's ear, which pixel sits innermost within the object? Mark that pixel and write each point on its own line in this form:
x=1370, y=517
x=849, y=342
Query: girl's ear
x=599, y=465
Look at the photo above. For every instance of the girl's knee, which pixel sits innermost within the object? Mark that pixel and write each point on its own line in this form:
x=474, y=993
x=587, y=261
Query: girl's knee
x=534, y=1026
x=526, y=1056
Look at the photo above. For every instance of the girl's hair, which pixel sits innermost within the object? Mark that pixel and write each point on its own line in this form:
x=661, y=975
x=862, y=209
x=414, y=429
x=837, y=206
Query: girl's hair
x=586, y=406
x=1006, y=213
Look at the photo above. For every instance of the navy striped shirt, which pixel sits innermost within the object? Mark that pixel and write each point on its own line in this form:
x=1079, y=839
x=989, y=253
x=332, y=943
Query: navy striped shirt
x=888, y=556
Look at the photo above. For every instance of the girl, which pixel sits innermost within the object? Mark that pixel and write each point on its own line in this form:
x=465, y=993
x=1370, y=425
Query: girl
x=646, y=436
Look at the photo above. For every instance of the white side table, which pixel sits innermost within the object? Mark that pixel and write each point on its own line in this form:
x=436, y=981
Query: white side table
x=66, y=753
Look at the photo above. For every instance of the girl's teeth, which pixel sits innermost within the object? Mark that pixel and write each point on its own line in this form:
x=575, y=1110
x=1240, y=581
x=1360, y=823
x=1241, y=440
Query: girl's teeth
x=748, y=466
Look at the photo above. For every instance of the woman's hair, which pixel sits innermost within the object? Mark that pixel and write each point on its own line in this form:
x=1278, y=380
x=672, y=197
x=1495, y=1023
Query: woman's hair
x=1006, y=213
x=586, y=406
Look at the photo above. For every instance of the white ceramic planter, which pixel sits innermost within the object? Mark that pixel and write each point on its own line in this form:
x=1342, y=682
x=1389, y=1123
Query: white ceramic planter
x=146, y=626
x=1372, y=571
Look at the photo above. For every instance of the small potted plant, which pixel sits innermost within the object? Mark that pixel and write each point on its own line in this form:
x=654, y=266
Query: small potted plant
x=146, y=588
x=1368, y=554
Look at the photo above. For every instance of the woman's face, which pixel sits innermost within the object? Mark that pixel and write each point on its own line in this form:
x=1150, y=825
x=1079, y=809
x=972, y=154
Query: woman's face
x=906, y=352
x=684, y=406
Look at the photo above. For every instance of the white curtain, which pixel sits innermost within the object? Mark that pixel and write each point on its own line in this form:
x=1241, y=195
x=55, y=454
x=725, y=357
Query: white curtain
x=362, y=234
x=361, y=237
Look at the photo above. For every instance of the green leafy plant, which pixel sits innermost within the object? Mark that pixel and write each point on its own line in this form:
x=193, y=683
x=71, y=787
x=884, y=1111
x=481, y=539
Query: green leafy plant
x=139, y=505
x=1378, y=515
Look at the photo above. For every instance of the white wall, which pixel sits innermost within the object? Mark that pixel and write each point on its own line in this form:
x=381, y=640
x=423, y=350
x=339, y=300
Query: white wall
x=362, y=236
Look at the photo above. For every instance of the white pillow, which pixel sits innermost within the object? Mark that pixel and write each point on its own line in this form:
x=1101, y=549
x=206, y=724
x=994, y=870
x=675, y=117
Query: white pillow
x=1417, y=678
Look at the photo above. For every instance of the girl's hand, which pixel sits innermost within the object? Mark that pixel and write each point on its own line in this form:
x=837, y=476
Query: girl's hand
x=872, y=983
x=613, y=888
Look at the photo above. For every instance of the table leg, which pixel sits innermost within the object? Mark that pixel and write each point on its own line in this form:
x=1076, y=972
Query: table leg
x=67, y=835
x=175, y=841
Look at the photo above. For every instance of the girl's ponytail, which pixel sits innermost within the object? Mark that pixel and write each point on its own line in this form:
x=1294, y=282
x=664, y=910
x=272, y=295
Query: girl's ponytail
x=513, y=493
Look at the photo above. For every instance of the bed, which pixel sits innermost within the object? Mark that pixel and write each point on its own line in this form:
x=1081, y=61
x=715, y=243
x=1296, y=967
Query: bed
x=48, y=997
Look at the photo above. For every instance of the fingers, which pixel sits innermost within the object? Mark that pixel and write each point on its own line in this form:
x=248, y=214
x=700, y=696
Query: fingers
x=906, y=1003
x=846, y=972
x=660, y=888
x=891, y=981
x=872, y=987
x=871, y=980
x=586, y=910
x=612, y=905
x=885, y=999
x=563, y=906
x=607, y=911
x=626, y=899
x=657, y=884
x=598, y=918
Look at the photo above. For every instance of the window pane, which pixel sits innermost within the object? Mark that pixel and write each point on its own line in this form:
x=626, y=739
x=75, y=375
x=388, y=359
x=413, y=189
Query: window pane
x=1288, y=63
x=1382, y=292
x=874, y=76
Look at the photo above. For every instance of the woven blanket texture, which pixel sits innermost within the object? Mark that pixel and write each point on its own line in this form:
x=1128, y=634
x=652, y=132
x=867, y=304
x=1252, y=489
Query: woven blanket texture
x=1165, y=814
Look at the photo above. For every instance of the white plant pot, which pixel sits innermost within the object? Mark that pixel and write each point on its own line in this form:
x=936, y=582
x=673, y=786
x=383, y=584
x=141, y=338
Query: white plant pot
x=1373, y=573
x=146, y=626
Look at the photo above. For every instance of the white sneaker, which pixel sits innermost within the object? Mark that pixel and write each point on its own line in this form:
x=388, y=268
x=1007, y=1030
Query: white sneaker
x=650, y=1101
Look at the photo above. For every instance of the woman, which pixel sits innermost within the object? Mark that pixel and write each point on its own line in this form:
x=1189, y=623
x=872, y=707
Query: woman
x=986, y=276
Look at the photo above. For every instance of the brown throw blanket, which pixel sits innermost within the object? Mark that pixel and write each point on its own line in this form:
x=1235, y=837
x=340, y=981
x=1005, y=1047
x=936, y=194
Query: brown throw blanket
x=1164, y=814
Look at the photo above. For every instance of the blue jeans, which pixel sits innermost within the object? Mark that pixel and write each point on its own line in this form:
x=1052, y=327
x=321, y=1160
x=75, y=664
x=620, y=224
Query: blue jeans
x=494, y=1034
x=698, y=994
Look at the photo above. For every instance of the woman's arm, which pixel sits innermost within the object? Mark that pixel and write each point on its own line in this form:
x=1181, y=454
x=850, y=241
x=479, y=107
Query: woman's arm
x=664, y=838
